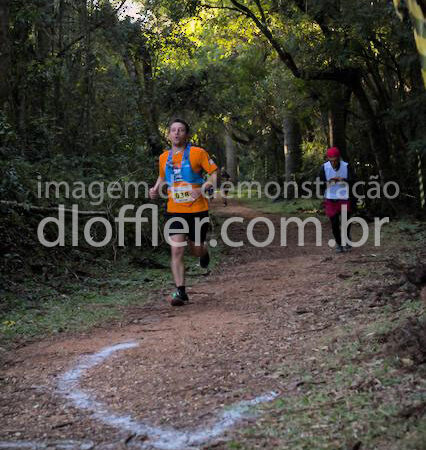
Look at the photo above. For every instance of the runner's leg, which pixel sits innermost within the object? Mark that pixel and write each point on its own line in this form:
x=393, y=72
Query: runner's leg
x=198, y=229
x=197, y=250
x=177, y=264
x=348, y=247
x=335, y=226
x=224, y=197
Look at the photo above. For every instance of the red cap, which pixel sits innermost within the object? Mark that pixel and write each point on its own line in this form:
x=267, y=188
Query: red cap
x=333, y=152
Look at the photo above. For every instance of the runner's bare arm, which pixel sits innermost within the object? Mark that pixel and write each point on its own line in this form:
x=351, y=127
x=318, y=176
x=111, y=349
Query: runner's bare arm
x=154, y=191
x=210, y=182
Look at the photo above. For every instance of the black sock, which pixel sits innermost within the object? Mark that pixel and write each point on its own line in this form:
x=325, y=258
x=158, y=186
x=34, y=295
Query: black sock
x=181, y=290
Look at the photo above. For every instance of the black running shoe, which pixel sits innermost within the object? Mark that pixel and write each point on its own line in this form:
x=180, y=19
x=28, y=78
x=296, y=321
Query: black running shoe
x=178, y=299
x=205, y=261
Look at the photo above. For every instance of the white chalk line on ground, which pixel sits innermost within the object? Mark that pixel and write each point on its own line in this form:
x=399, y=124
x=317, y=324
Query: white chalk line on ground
x=56, y=445
x=158, y=437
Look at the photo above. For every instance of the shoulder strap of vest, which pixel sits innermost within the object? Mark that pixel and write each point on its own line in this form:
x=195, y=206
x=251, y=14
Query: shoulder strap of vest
x=170, y=158
x=187, y=152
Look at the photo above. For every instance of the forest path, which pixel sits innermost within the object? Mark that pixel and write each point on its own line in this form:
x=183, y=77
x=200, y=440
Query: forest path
x=260, y=309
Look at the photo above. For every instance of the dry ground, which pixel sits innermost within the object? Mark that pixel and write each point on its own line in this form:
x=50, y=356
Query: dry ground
x=262, y=310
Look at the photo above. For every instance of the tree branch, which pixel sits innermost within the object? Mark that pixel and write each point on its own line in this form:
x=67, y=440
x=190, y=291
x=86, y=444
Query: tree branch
x=240, y=136
x=285, y=57
x=262, y=12
x=344, y=76
x=229, y=8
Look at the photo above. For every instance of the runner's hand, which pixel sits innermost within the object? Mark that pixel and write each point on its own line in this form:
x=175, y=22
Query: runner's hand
x=153, y=193
x=195, y=194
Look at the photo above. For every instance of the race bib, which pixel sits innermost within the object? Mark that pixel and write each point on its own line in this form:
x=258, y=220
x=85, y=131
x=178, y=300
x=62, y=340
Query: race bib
x=181, y=194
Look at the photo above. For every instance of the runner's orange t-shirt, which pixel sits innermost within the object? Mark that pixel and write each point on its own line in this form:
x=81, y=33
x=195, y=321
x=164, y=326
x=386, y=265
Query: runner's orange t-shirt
x=200, y=161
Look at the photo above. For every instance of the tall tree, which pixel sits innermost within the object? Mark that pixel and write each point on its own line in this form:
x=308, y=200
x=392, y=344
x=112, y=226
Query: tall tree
x=231, y=156
x=4, y=51
x=338, y=106
x=292, y=147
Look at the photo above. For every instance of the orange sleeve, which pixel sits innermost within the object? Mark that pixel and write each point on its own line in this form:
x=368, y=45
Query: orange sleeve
x=206, y=162
x=162, y=165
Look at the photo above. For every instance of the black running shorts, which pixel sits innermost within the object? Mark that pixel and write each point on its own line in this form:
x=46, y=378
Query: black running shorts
x=176, y=227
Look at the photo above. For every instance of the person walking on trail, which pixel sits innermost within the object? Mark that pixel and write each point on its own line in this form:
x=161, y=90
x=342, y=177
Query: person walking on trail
x=337, y=180
x=224, y=178
x=181, y=168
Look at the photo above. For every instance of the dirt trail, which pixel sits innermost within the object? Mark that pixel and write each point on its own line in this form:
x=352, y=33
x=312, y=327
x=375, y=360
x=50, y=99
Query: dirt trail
x=258, y=309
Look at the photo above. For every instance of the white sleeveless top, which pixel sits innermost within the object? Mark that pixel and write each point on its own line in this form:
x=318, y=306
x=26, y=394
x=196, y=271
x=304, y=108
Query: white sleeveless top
x=338, y=190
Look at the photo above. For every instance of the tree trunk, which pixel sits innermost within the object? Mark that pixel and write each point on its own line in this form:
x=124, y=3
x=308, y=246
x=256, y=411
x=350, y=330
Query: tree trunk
x=337, y=114
x=4, y=52
x=58, y=91
x=231, y=157
x=155, y=141
x=275, y=145
x=379, y=140
x=22, y=120
x=292, y=147
x=43, y=33
x=137, y=60
x=43, y=47
x=86, y=9
x=139, y=70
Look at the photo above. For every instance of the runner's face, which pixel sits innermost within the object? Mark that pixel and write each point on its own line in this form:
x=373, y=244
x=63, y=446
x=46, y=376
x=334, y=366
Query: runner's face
x=177, y=134
x=334, y=161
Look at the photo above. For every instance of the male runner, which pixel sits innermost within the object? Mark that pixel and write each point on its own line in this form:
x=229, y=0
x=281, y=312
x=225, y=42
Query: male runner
x=338, y=178
x=181, y=169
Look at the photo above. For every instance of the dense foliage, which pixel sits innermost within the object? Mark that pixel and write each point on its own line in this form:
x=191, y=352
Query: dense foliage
x=86, y=92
